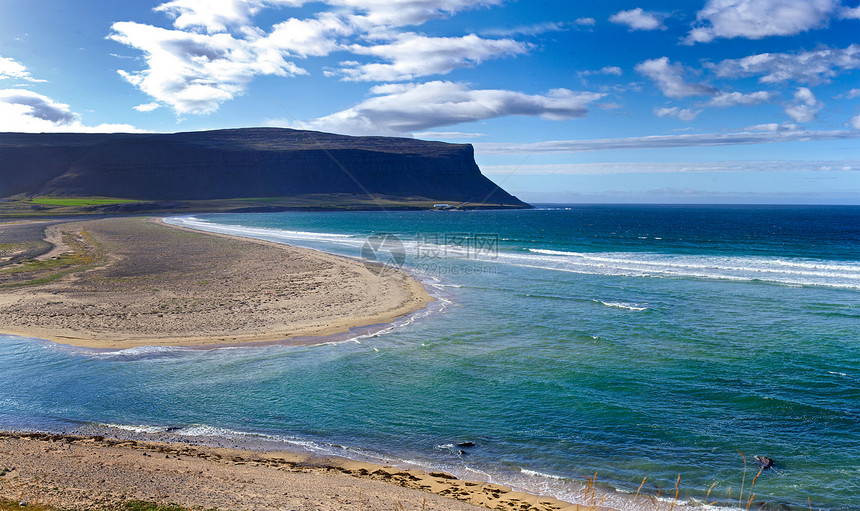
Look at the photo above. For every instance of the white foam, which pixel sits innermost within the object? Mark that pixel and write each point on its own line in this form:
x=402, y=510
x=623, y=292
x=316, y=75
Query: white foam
x=137, y=428
x=535, y=473
x=779, y=270
x=623, y=305
x=137, y=352
x=794, y=272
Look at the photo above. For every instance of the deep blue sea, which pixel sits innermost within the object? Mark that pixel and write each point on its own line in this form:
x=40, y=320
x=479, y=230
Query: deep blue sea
x=628, y=341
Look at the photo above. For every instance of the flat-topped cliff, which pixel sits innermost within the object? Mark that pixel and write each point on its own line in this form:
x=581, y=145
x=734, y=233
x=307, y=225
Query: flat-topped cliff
x=236, y=163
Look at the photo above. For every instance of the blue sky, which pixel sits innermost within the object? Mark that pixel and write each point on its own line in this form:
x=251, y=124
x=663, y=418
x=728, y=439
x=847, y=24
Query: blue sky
x=749, y=101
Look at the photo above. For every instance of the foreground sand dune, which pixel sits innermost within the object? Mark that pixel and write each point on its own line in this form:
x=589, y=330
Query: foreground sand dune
x=87, y=472
x=125, y=282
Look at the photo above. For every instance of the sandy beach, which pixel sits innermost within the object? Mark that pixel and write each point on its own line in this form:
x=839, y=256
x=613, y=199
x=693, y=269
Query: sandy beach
x=126, y=282
x=71, y=471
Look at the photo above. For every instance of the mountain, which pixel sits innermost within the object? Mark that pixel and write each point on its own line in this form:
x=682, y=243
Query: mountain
x=237, y=163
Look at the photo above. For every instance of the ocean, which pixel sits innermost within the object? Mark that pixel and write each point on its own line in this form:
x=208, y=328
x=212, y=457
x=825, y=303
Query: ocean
x=628, y=342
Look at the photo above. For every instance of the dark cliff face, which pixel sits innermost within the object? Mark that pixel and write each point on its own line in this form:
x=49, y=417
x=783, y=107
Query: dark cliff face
x=253, y=162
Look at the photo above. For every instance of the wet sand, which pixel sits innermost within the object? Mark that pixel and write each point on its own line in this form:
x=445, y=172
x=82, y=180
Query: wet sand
x=86, y=472
x=126, y=282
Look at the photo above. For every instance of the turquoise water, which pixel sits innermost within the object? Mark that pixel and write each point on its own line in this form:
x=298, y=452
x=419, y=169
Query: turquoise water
x=627, y=341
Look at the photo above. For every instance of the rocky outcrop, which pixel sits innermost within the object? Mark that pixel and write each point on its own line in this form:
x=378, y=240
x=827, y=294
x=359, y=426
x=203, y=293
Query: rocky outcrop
x=251, y=162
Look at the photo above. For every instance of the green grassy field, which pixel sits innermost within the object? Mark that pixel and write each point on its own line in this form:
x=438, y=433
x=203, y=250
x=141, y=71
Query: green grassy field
x=52, y=206
x=80, y=201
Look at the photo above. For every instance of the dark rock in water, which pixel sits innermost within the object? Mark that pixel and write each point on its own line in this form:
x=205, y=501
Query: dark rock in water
x=240, y=163
x=461, y=452
x=764, y=461
x=466, y=444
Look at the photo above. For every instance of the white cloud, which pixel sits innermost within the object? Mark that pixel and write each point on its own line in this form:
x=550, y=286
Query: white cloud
x=774, y=127
x=536, y=29
x=222, y=15
x=147, y=107
x=637, y=19
x=195, y=73
x=9, y=68
x=586, y=22
x=309, y=37
x=592, y=169
x=399, y=13
x=805, y=106
x=216, y=15
x=850, y=13
x=855, y=122
x=413, y=55
x=670, y=79
x=805, y=67
x=25, y=111
x=607, y=70
x=852, y=94
x=756, y=19
x=447, y=134
x=685, y=114
x=666, y=141
x=214, y=50
x=406, y=108
x=729, y=99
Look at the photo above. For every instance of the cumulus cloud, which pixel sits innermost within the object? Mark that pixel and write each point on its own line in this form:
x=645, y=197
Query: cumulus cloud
x=222, y=15
x=855, y=122
x=667, y=141
x=756, y=19
x=25, y=111
x=195, y=73
x=405, y=108
x=214, y=49
x=637, y=19
x=852, y=94
x=670, y=79
x=729, y=99
x=9, y=68
x=684, y=114
x=215, y=15
x=810, y=67
x=850, y=13
x=399, y=13
x=412, y=55
x=304, y=38
x=805, y=106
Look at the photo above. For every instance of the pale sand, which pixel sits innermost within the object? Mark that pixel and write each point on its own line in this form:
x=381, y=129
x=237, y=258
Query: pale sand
x=87, y=472
x=153, y=284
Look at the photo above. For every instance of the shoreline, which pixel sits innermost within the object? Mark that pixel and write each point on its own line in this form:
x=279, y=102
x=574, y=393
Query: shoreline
x=72, y=470
x=203, y=282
